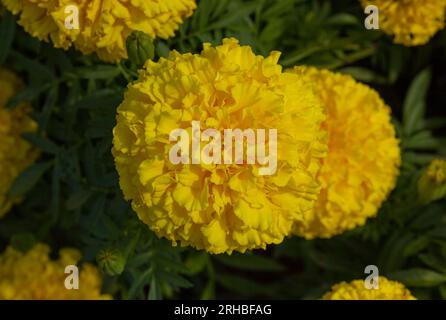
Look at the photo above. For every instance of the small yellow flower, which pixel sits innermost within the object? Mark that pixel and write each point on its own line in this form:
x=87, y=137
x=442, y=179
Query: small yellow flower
x=34, y=276
x=363, y=159
x=356, y=290
x=16, y=154
x=104, y=25
x=432, y=184
x=218, y=207
x=411, y=22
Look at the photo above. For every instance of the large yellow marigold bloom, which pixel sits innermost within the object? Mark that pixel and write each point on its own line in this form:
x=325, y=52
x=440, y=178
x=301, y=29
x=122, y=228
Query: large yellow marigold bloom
x=104, y=25
x=356, y=290
x=15, y=152
x=411, y=22
x=363, y=159
x=35, y=276
x=219, y=207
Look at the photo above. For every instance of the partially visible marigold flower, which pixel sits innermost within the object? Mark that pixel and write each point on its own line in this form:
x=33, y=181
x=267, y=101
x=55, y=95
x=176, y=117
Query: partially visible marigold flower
x=218, y=207
x=104, y=25
x=432, y=184
x=356, y=290
x=411, y=22
x=363, y=159
x=35, y=276
x=15, y=152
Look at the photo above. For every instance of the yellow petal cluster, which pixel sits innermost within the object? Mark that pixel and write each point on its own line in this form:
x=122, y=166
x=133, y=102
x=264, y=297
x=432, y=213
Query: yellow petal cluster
x=104, y=25
x=410, y=22
x=363, y=159
x=356, y=290
x=35, y=276
x=15, y=152
x=219, y=208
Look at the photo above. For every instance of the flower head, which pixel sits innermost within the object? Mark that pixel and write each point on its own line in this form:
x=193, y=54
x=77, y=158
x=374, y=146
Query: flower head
x=104, y=25
x=363, y=158
x=219, y=207
x=15, y=152
x=35, y=276
x=356, y=290
x=432, y=184
x=411, y=22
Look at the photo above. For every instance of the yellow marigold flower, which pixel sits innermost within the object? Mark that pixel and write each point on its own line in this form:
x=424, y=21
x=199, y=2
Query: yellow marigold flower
x=104, y=25
x=411, y=22
x=356, y=290
x=432, y=184
x=363, y=159
x=34, y=276
x=218, y=207
x=15, y=152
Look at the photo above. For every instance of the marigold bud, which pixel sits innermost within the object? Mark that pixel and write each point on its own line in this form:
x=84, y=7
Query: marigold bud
x=432, y=184
x=111, y=261
x=23, y=242
x=140, y=48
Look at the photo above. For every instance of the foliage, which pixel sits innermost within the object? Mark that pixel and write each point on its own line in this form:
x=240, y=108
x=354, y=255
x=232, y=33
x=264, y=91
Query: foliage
x=73, y=197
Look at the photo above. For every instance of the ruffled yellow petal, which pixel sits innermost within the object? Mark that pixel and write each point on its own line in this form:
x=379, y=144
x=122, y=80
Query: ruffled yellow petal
x=35, y=276
x=363, y=159
x=104, y=25
x=16, y=154
x=218, y=207
x=410, y=22
x=356, y=290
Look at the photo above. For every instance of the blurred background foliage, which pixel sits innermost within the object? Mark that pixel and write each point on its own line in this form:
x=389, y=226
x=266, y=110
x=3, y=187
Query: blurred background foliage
x=72, y=198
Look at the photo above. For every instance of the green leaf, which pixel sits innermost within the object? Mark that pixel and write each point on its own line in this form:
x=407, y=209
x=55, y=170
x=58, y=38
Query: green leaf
x=23, y=241
x=7, y=30
x=443, y=292
x=196, y=263
x=209, y=291
x=364, y=75
x=176, y=280
x=433, y=262
x=106, y=98
x=234, y=15
x=41, y=143
x=28, y=94
x=415, y=103
x=418, y=277
x=415, y=246
x=78, y=199
x=28, y=179
x=103, y=72
x=155, y=291
x=35, y=69
x=422, y=140
x=139, y=282
x=341, y=19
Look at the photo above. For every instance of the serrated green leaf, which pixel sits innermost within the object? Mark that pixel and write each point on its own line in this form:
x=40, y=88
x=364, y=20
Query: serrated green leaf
x=78, y=199
x=28, y=179
x=155, y=290
x=418, y=277
x=415, y=103
x=7, y=31
x=243, y=11
x=98, y=72
x=41, y=143
x=28, y=94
